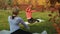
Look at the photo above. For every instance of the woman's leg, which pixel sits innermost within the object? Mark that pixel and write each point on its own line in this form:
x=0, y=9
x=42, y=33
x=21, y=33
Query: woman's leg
x=32, y=20
x=20, y=31
x=24, y=32
x=35, y=20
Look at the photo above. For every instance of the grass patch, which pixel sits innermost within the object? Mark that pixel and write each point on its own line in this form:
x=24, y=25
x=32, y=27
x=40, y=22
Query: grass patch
x=38, y=27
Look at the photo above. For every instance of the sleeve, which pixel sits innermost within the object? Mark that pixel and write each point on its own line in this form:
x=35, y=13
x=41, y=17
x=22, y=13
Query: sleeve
x=22, y=22
x=8, y=18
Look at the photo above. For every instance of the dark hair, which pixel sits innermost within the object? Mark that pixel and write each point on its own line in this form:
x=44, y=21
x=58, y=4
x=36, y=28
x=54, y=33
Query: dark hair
x=15, y=12
x=13, y=17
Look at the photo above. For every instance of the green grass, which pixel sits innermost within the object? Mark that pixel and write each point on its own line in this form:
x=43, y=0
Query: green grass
x=38, y=27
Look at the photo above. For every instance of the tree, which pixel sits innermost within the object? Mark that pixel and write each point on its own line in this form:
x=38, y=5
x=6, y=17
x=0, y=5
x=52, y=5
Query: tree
x=36, y=3
x=53, y=2
x=2, y=4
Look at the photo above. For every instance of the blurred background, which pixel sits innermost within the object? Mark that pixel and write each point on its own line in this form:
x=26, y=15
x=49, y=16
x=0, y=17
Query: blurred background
x=49, y=10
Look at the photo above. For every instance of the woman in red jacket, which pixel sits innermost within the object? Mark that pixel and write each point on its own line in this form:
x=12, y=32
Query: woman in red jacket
x=29, y=14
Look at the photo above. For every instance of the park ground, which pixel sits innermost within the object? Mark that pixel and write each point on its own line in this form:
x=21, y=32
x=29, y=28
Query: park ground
x=37, y=27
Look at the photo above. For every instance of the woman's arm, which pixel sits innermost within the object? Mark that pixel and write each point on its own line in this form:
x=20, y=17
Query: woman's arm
x=25, y=25
x=34, y=11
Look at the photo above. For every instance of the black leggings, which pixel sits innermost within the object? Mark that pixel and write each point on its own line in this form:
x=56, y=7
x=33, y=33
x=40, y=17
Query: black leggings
x=32, y=20
x=20, y=31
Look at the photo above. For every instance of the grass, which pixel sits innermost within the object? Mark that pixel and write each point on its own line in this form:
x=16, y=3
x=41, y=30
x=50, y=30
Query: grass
x=38, y=27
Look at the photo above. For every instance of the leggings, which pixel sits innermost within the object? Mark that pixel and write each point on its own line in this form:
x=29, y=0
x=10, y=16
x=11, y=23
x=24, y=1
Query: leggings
x=20, y=31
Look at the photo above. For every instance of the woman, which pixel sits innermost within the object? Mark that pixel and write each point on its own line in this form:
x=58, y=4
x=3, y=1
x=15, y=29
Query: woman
x=14, y=21
x=29, y=14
